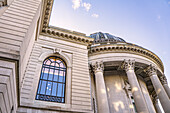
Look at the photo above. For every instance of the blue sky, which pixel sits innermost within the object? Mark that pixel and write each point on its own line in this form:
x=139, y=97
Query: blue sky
x=142, y=22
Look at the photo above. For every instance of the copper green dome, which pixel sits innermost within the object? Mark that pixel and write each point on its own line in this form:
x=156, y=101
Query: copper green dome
x=105, y=38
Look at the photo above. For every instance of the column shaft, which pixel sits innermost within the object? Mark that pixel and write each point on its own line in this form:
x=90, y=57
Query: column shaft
x=157, y=108
x=163, y=97
x=136, y=90
x=102, y=101
x=165, y=84
x=137, y=93
x=166, y=87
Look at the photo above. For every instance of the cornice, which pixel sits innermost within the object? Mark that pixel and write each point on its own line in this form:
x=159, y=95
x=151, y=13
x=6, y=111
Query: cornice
x=59, y=32
x=126, y=48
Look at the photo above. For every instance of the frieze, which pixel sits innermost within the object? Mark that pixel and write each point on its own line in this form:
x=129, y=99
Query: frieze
x=127, y=48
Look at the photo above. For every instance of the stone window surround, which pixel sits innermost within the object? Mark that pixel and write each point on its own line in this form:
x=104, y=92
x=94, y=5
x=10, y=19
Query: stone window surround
x=56, y=66
x=44, y=104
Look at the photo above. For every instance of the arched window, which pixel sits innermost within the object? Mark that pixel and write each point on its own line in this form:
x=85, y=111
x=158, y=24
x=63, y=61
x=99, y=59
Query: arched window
x=51, y=85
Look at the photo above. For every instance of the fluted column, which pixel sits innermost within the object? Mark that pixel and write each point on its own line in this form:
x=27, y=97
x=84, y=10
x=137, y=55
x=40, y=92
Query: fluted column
x=102, y=101
x=163, y=97
x=136, y=90
x=156, y=105
x=165, y=84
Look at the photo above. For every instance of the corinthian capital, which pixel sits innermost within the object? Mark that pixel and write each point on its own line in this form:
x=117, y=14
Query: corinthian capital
x=150, y=70
x=163, y=79
x=98, y=66
x=128, y=65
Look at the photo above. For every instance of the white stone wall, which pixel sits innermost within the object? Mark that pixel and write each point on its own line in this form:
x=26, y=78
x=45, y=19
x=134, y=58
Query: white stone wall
x=117, y=97
x=18, y=23
x=8, y=88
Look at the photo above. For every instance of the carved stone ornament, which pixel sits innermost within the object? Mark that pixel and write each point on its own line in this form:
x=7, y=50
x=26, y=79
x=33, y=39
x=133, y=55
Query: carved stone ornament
x=90, y=69
x=57, y=50
x=127, y=87
x=163, y=79
x=98, y=66
x=151, y=70
x=128, y=65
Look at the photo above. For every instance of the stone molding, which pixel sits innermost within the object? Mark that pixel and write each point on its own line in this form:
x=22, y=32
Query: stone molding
x=60, y=54
x=61, y=33
x=98, y=66
x=127, y=48
x=163, y=79
x=128, y=65
x=151, y=70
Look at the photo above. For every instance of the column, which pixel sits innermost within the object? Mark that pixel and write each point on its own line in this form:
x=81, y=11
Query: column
x=136, y=90
x=156, y=105
x=165, y=84
x=102, y=101
x=163, y=97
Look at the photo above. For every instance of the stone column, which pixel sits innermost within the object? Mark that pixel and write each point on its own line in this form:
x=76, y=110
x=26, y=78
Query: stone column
x=163, y=97
x=136, y=90
x=102, y=101
x=156, y=105
x=165, y=84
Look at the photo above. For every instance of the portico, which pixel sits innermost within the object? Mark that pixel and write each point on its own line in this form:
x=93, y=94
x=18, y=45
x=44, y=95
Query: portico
x=113, y=64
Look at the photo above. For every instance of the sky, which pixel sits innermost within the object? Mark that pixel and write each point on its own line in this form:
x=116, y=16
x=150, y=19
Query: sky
x=142, y=22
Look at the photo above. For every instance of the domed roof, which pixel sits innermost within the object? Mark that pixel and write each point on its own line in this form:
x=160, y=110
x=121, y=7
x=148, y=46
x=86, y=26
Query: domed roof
x=100, y=37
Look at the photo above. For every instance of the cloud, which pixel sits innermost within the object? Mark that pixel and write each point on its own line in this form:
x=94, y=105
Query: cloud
x=158, y=17
x=169, y=2
x=76, y=4
x=95, y=15
x=87, y=6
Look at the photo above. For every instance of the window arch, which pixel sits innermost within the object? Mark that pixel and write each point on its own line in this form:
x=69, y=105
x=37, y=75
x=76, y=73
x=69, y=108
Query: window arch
x=52, y=81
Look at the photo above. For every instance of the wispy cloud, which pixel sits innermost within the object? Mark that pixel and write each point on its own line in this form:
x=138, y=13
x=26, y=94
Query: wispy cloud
x=80, y=3
x=76, y=4
x=158, y=17
x=95, y=15
x=87, y=6
x=169, y=2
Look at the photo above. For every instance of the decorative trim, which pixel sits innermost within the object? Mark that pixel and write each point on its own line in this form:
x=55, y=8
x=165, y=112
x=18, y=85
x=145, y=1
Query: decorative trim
x=150, y=70
x=59, y=32
x=98, y=67
x=163, y=79
x=61, y=55
x=127, y=48
x=128, y=65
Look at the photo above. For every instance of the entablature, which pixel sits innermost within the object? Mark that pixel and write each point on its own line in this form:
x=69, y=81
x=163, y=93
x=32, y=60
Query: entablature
x=126, y=48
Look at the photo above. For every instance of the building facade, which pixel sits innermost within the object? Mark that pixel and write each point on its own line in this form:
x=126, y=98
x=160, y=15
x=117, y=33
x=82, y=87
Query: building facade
x=46, y=69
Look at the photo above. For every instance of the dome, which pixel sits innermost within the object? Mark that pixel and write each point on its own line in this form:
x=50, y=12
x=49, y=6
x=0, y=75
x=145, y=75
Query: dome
x=105, y=38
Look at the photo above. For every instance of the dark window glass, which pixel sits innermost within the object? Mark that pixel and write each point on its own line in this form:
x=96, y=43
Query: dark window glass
x=51, y=85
